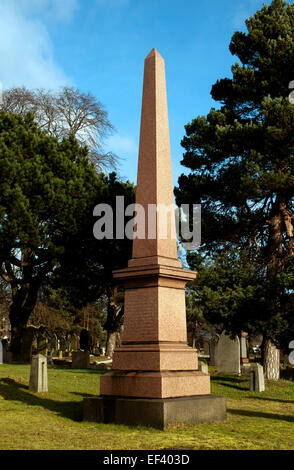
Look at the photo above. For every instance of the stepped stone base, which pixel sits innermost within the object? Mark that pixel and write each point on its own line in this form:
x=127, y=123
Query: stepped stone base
x=155, y=357
x=158, y=412
x=155, y=384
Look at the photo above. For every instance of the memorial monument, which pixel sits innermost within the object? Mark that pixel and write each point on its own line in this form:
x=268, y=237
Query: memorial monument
x=155, y=378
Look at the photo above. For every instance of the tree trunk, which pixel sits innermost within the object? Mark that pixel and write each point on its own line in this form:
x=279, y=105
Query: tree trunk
x=23, y=303
x=110, y=343
x=21, y=343
x=271, y=361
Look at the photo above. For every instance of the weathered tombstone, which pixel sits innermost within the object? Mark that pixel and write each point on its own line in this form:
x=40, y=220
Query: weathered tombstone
x=228, y=354
x=1, y=352
x=257, y=378
x=80, y=359
x=202, y=366
x=39, y=375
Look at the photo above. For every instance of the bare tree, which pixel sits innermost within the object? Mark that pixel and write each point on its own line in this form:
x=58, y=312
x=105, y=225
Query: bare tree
x=68, y=111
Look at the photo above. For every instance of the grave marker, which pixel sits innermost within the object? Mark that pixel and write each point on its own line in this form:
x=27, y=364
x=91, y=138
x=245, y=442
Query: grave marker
x=228, y=354
x=39, y=375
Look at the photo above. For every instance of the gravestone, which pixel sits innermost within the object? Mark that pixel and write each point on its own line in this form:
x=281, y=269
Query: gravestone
x=1, y=352
x=228, y=354
x=257, y=378
x=80, y=359
x=39, y=375
x=202, y=366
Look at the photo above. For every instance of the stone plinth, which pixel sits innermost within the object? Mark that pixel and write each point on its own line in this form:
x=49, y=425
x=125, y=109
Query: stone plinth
x=39, y=375
x=158, y=413
x=163, y=384
x=154, y=360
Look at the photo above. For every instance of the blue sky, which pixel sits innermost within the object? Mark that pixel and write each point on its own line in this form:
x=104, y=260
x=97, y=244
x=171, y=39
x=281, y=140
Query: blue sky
x=100, y=46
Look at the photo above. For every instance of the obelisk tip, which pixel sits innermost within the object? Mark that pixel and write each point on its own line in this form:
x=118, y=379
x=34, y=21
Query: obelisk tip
x=153, y=53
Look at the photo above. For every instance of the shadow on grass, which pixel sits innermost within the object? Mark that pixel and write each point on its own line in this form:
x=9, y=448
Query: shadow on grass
x=236, y=379
x=272, y=399
x=259, y=414
x=231, y=382
x=91, y=371
x=84, y=395
x=235, y=387
x=12, y=390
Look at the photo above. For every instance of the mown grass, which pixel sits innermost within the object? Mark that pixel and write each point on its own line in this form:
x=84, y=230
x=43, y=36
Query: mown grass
x=53, y=420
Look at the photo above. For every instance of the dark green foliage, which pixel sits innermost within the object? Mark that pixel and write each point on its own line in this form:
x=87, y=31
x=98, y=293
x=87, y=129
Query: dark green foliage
x=241, y=161
x=48, y=189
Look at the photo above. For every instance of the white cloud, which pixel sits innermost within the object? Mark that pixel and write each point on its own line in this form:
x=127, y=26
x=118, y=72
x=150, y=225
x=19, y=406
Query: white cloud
x=26, y=50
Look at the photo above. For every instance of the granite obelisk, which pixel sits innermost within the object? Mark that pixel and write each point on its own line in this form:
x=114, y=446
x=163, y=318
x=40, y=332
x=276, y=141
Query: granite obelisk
x=155, y=380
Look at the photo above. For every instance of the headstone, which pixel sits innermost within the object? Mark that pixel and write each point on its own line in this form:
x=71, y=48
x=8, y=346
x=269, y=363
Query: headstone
x=257, y=378
x=80, y=359
x=39, y=375
x=228, y=354
x=1, y=352
x=244, y=348
x=202, y=366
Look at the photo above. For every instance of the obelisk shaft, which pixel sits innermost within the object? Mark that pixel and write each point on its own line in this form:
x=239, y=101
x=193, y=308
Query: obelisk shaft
x=154, y=359
x=154, y=181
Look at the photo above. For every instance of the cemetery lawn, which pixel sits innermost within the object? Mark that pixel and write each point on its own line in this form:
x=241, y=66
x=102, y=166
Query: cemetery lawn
x=53, y=420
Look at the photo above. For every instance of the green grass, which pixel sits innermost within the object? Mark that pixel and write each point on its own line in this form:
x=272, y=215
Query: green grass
x=53, y=420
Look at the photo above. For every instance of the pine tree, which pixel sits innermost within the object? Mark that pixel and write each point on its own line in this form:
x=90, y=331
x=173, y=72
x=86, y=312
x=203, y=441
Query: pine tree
x=241, y=155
